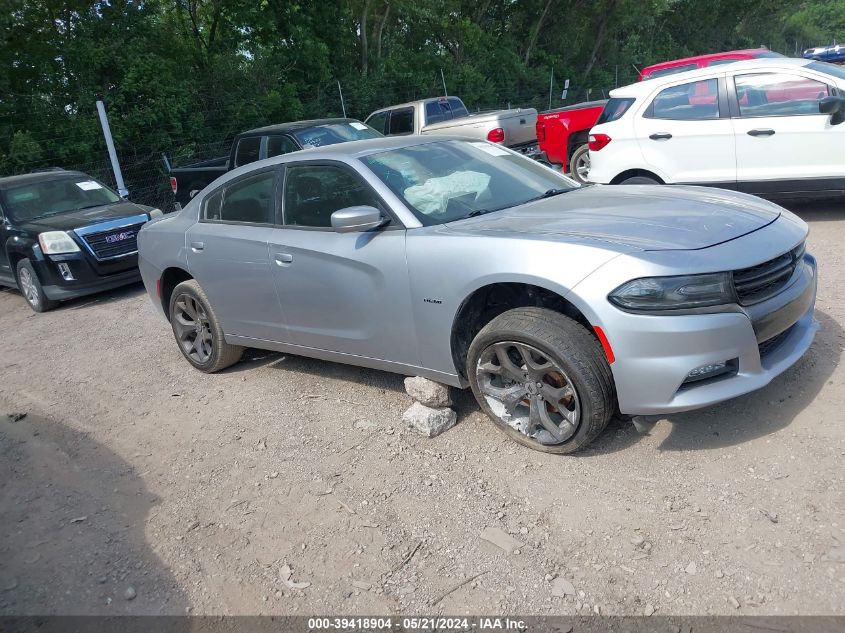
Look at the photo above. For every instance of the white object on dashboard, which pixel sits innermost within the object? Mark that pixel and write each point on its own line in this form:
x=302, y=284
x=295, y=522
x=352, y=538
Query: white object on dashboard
x=89, y=185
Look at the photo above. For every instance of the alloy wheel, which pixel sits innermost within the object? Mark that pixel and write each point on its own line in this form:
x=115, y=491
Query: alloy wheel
x=28, y=287
x=582, y=167
x=193, y=329
x=528, y=391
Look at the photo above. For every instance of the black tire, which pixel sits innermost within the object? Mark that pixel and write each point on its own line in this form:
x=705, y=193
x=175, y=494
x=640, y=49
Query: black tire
x=565, y=343
x=216, y=353
x=30, y=286
x=578, y=157
x=640, y=180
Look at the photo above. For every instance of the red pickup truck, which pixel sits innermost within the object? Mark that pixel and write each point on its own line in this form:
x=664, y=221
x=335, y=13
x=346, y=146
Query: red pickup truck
x=563, y=133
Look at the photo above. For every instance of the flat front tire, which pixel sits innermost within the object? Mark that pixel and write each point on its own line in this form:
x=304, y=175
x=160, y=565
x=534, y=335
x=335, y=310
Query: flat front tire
x=197, y=330
x=31, y=288
x=542, y=378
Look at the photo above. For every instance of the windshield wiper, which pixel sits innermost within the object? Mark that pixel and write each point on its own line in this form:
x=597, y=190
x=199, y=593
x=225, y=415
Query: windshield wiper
x=551, y=192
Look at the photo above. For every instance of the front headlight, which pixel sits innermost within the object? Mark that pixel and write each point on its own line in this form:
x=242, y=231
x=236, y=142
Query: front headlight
x=56, y=243
x=156, y=213
x=674, y=293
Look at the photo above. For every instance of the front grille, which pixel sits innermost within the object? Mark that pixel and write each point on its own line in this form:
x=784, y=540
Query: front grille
x=762, y=281
x=114, y=242
x=773, y=343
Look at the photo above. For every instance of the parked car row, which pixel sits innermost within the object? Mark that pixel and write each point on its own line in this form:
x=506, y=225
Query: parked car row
x=434, y=255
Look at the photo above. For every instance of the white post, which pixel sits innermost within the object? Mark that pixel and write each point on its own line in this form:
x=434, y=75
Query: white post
x=551, y=85
x=118, y=176
x=443, y=79
x=342, y=105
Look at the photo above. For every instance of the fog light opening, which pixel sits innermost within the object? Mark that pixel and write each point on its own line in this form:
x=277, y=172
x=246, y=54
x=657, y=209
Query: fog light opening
x=64, y=270
x=712, y=370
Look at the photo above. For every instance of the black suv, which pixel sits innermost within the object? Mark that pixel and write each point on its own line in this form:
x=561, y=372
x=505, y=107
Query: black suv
x=64, y=234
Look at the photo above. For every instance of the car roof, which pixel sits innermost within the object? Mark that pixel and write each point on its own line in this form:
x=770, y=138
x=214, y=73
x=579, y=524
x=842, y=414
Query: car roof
x=295, y=126
x=39, y=176
x=359, y=149
x=774, y=63
x=746, y=53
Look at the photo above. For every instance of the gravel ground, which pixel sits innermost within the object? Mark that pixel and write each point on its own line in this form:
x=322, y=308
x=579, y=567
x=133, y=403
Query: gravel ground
x=286, y=485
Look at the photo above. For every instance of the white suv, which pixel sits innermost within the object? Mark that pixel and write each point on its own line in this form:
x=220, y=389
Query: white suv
x=771, y=127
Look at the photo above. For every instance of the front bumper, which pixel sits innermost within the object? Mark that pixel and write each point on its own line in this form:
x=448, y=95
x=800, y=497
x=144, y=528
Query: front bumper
x=88, y=277
x=654, y=354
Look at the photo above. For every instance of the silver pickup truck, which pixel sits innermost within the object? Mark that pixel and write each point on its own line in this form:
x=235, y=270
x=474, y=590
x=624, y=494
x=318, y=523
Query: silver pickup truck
x=449, y=116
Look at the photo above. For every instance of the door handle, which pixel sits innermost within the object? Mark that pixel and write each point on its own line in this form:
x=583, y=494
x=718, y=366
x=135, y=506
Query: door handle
x=283, y=259
x=765, y=132
x=665, y=136
x=197, y=246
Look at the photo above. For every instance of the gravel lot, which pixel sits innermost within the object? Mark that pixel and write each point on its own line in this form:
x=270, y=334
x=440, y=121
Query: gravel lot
x=286, y=485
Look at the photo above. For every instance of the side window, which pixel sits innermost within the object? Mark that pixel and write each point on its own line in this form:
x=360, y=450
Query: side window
x=377, y=121
x=778, y=94
x=695, y=101
x=402, y=121
x=248, y=150
x=458, y=108
x=314, y=192
x=278, y=145
x=435, y=112
x=246, y=201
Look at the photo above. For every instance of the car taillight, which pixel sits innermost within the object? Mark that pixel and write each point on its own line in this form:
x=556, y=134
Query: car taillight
x=496, y=135
x=541, y=131
x=173, y=184
x=597, y=141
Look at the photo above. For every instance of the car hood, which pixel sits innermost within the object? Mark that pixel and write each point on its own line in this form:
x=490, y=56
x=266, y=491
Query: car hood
x=651, y=218
x=84, y=217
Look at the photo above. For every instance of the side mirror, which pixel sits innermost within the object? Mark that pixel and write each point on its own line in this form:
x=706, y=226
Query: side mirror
x=835, y=107
x=357, y=219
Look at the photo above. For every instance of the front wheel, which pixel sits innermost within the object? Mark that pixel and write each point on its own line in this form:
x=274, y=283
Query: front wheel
x=579, y=163
x=31, y=288
x=542, y=379
x=197, y=330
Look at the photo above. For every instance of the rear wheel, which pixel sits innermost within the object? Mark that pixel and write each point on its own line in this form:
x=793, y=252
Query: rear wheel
x=640, y=180
x=579, y=163
x=542, y=379
x=31, y=288
x=197, y=330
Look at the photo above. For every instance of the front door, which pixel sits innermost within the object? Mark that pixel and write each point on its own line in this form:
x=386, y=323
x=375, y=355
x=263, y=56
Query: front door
x=227, y=255
x=783, y=143
x=685, y=132
x=342, y=292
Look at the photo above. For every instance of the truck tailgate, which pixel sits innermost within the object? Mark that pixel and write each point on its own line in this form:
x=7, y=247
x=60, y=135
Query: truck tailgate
x=519, y=125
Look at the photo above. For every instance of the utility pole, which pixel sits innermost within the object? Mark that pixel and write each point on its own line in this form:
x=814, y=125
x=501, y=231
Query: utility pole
x=115, y=166
x=342, y=105
x=443, y=79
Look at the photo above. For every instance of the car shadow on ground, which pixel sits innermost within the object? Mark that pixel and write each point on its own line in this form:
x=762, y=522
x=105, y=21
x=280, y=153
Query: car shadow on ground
x=337, y=371
x=72, y=533
x=747, y=417
x=101, y=298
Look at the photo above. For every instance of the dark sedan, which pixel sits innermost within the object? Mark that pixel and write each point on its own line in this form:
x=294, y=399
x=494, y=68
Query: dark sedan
x=64, y=234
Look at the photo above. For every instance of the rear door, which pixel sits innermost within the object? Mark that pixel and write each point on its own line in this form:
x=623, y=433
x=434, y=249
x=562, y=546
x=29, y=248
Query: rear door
x=686, y=133
x=783, y=143
x=341, y=292
x=227, y=255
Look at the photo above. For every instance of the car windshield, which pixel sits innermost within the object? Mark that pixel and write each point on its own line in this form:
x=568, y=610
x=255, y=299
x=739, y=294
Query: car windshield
x=445, y=181
x=333, y=133
x=55, y=196
x=828, y=69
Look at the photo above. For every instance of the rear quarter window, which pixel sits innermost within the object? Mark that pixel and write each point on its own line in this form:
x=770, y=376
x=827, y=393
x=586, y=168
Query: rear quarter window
x=614, y=109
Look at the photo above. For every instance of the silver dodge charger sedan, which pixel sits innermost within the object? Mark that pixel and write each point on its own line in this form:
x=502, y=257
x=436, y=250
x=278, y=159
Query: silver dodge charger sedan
x=471, y=265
